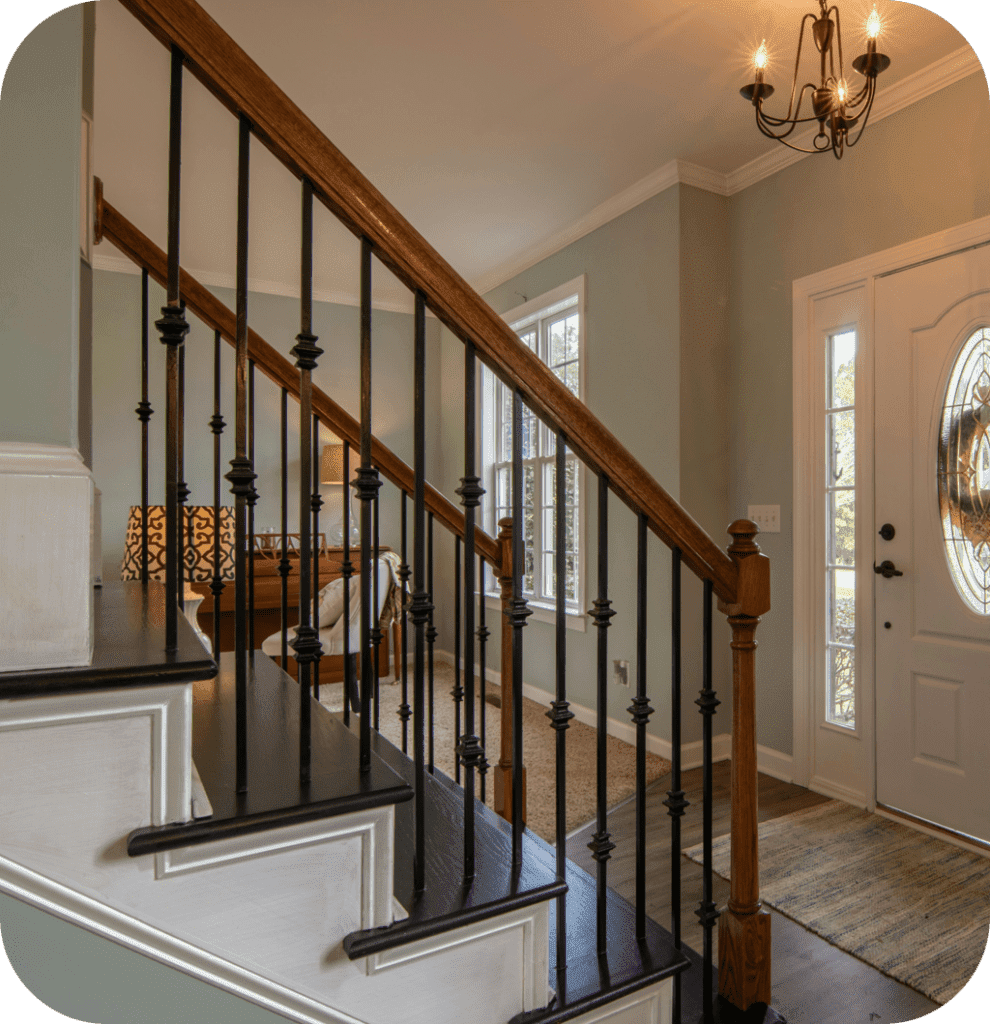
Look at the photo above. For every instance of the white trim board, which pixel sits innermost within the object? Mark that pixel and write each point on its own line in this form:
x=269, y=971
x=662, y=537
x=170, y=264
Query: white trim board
x=691, y=754
x=945, y=72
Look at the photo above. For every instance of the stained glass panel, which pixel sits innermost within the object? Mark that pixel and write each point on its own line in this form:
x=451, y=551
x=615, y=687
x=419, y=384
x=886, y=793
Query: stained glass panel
x=963, y=471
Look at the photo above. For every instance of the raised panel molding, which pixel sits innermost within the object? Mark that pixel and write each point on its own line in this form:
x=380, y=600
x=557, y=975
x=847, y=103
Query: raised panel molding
x=46, y=603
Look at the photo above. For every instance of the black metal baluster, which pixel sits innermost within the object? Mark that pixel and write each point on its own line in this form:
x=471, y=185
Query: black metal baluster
x=376, y=629
x=483, y=635
x=405, y=712
x=431, y=631
x=144, y=413
x=346, y=571
x=457, y=692
x=306, y=352
x=216, y=425
x=182, y=490
x=518, y=614
x=471, y=753
x=283, y=562
x=640, y=711
x=601, y=844
x=317, y=504
x=241, y=473
x=560, y=712
x=173, y=329
x=421, y=604
x=675, y=803
x=366, y=487
x=707, y=702
x=252, y=500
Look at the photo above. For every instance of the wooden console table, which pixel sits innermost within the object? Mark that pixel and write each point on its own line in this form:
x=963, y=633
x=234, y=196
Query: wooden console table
x=268, y=609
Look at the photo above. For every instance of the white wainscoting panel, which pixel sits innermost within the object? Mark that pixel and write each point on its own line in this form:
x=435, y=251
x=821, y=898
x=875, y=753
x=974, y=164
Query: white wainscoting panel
x=46, y=602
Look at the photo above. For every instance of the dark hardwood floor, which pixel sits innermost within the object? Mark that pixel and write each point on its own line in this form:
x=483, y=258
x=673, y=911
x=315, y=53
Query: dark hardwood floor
x=813, y=981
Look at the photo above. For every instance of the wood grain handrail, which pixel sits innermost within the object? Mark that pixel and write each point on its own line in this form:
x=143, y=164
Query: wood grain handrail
x=241, y=86
x=113, y=225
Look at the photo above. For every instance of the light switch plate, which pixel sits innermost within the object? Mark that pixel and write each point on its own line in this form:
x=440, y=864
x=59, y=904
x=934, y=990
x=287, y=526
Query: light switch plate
x=766, y=517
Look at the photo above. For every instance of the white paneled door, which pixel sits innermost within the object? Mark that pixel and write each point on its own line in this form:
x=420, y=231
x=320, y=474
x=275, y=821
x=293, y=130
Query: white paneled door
x=932, y=478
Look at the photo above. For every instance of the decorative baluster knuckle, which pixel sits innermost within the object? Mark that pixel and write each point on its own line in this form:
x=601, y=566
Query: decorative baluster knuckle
x=560, y=715
x=306, y=351
x=217, y=423
x=182, y=492
x=306, y=644
x=707, y=913
x=366, y=483
x=144, y=411
x=470, y=751
x=602, y=613
x=471, y=491
x=601, y=846
x=676, y=803
x=708, y=702
x=421, y=608
x=316, y=503
x=241, y=477
x=518, y=611
x=172, y=326
x=640, y=710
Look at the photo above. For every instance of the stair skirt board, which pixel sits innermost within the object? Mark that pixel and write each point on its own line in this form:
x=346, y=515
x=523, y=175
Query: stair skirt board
x=447, y=971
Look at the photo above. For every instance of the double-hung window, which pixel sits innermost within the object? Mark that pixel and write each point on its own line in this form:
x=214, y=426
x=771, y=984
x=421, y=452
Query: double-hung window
x=551, y=326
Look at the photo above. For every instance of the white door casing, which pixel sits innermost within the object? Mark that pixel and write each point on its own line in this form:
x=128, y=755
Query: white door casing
x=933, y=661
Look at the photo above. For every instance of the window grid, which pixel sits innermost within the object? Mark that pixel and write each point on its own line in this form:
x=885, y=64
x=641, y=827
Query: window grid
x=554, y=335
x=840, y=530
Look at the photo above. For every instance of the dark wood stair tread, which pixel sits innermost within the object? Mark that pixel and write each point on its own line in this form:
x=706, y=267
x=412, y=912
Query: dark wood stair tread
x=275, y=796
x=128, y=648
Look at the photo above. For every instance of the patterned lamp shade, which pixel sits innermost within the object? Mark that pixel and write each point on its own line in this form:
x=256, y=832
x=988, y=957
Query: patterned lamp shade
x=198, y=546
x=333, y=464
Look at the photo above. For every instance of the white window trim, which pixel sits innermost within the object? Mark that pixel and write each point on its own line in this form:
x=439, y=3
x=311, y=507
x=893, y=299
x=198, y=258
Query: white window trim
x=545, y=611
x=808, y=594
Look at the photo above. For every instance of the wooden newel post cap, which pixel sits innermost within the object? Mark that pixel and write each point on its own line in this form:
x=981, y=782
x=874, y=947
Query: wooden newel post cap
x=753, y=590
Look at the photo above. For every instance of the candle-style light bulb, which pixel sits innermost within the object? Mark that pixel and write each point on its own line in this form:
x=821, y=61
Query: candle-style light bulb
x=873, y=25
x=760, y=58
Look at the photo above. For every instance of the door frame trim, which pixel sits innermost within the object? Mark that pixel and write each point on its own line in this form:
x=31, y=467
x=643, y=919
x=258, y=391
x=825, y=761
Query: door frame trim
x=806, y=291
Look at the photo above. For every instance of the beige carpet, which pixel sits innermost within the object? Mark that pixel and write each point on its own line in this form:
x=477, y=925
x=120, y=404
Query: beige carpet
x=911, y=906
x=538, y=751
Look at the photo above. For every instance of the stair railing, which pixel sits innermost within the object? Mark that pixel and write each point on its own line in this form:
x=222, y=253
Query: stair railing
x=740, y=579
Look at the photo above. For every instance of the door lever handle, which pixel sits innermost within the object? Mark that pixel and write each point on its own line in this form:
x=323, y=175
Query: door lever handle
x=886, y=569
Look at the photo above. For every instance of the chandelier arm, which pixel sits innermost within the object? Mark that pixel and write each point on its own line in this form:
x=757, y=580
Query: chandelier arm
x=866, y=113
x=797, y=66
x=859, y=97
x=782, y=139
x=797, y=119
x=838, y=36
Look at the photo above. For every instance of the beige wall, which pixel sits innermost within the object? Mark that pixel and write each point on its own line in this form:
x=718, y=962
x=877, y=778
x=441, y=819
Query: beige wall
x=921, y=170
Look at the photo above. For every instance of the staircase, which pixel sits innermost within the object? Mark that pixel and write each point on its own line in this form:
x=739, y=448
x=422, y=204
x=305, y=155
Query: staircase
x=295, y=857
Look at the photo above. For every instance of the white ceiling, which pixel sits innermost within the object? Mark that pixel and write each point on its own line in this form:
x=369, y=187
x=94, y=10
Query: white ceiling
x=493, y=125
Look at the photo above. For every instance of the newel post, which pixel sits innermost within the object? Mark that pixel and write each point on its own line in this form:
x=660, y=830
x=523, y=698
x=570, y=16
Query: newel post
x=503, y=770
x=744, y=927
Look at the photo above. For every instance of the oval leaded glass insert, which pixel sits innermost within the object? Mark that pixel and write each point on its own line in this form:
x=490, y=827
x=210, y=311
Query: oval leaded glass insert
x=964, y=472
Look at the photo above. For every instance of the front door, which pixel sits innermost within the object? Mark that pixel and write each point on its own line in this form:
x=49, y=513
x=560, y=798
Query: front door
x=932, y=478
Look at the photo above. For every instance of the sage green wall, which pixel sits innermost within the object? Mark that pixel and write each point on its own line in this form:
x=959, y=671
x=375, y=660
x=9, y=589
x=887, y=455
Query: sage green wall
x=40, y=108
x=633, y=354
x=116, y=375
x=704, y=408
x=916, y=172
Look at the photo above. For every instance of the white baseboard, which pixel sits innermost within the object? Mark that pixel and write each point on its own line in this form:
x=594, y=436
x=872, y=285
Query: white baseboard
x=691, y=754
x=46, y=602
x=775, y=764
x=837, y=792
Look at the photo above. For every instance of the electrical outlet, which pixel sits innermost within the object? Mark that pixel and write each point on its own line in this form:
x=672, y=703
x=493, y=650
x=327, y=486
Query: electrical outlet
x=766, y=517
x=620, y=672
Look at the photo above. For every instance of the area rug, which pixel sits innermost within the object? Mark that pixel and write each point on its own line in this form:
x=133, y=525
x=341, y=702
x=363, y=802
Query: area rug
x=538, y=751
x=911, y=906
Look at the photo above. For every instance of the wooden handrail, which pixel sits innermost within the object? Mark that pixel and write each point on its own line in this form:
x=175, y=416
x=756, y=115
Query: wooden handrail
x=241, y=85
x=113, y=225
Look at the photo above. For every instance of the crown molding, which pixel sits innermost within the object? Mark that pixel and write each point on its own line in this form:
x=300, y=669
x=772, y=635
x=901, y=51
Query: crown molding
x=123, y=265
x=942, y=73
x=637, y=193
x=950, y=69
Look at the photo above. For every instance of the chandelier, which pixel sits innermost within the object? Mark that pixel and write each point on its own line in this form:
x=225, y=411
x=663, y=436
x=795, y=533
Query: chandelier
x=834, y=105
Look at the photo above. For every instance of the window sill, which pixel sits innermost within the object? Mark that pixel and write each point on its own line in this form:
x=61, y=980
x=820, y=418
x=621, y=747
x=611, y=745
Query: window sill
x=545, y=613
